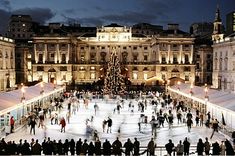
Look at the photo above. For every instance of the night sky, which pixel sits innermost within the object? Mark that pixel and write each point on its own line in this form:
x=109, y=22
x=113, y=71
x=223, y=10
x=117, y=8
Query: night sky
x=123, y=12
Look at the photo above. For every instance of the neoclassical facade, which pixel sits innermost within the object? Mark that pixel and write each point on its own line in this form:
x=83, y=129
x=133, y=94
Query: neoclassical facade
x=224, y=64
x=7, y=63
x=83, y=59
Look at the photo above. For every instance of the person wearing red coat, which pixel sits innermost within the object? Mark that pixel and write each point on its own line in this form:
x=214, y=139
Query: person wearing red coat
x=12, y=123
x=63, y=124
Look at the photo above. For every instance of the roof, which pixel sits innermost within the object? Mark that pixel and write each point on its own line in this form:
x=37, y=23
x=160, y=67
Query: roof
x=113, y=25
x=13, y=98
x=216, y=97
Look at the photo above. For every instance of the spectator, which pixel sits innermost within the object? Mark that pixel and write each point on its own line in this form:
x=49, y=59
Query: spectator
x=117, y=145
x=186, y=144
x=106, y=148
x=207, y=146
x=180, y=148
x=151, y=147
x=97, y=146
x=36, y=148
x=215, y=148
x=169, y=147
x=200, y=147
x=32, y=125
x=79, y=146
x=229, y=148
x=128, y=146
x=136, y=147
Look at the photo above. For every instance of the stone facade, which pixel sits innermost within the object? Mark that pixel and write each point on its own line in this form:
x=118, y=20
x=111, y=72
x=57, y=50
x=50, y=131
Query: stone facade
x=7, y=63
x=83, y=59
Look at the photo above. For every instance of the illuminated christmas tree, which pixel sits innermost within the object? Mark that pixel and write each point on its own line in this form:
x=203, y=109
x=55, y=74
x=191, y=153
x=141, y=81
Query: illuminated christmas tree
x=114, y=81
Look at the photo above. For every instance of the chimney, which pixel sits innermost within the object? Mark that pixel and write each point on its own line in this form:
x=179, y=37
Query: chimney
x=174, y=27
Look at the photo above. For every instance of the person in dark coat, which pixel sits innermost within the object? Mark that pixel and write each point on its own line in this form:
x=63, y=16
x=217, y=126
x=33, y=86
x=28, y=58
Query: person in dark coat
x=215, y=148
x=128, y=147
x=84, y=147
x=60, y=148
x=186, y=144
x=110, y=123
x=19, y=147
x=228, y=147
x=169, y=147
x=200, y=147
x=72, y=147
x=25, y=148
x=117, y=147
x=189, y=124
x=151, y=147
x=32, y=126
x=106, y=148
x=97, y=147
x=91, y=148
x=79, y=146
x=44, y=146
x=36, y=149
x=136, y=147
x=66, y=146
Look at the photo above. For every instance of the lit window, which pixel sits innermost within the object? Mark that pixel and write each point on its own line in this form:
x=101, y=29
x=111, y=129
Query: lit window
x=29, y=65
x=23, y=25
x=92, y=75
x=92, y=68
x=145, y=76
x=135, y=76
x=82, y=68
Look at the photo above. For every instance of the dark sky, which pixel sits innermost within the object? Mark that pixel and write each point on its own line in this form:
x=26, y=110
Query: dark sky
x=123, y=12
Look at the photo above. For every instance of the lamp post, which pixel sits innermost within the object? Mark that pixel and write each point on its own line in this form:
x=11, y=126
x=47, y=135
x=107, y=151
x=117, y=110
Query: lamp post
x=42, y=88
x=191, y=89
x=23, y=98
x=206, y=93
x=178, y=85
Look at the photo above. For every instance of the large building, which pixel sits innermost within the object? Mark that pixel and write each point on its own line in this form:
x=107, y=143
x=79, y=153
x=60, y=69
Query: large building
x=223, y=58
x=83, y=58
x=7, y=64
x=230, y=23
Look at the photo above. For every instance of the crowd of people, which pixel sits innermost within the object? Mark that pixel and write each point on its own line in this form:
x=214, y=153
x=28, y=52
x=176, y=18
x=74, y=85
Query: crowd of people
x=164, y=110
x=83, y=147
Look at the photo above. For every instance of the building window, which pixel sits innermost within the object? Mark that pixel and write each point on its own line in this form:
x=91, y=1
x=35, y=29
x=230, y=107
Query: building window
x=145, y=76
x=175, y=61
x=135, y=76
x=186, y=78
x=145, y=48
x=92, y=68
x=92, y=75
x=145, y=57
x=163, y=69
x=186, y=59
x=63, y=59
x=134, y=47
x=124, y=47
x=40, y=57
x=40, y=68
x=82, y=48
x=63, y=68
x=163, y=76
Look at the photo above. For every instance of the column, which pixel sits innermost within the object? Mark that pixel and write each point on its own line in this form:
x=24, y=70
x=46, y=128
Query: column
x=158, y=55
x=35, y=53
x=4, y=59
x=68, y=54
x=45, y=53
x=58, y=54
x=180, y=60
x=168, y=54
x=191, y=55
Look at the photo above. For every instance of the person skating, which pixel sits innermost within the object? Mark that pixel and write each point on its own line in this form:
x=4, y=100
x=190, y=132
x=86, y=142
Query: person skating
x=63, y=124
x=215, y=126
x=32, y=126
x=12, y=123
x=110, y=122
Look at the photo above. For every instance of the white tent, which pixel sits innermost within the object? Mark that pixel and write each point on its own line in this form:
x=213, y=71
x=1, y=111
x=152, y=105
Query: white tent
x=10, y=100
x=218, y=102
